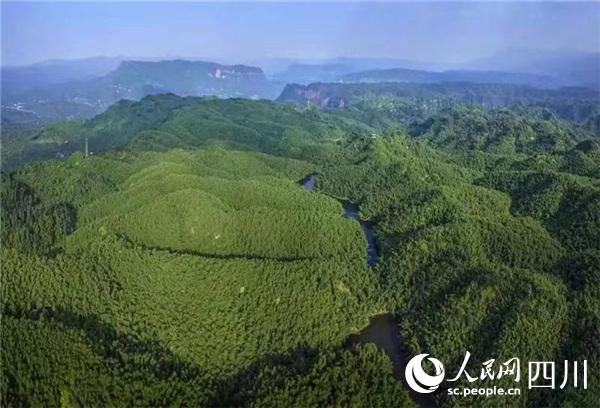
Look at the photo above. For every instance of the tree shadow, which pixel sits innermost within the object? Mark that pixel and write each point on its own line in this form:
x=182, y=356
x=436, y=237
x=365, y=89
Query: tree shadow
x=243, y=387
x=109, y=343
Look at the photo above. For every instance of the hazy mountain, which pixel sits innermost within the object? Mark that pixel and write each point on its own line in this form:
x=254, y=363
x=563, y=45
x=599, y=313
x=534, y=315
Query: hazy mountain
x=333, y=69
x=386, y=63
x=133, y=80
x=410, y=75
x=394, y=70
x=54, y=90
x=189, y=78
x=577, y=68
x=17, y=79
x=307, y=73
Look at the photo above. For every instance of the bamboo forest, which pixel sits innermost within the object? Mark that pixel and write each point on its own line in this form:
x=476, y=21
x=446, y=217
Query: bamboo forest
x=196, y=234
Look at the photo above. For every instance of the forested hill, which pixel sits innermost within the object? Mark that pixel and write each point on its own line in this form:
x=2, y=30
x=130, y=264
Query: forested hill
x=501, y=131
x=405, y=101
x=167, y=121
x=183, y=264
x=183, y=278
x=492, y=253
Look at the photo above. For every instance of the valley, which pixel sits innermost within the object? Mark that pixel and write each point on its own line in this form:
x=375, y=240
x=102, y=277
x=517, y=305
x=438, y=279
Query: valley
x=351, y=212
x=271, y=204
x=186, y=242
x=300, y=204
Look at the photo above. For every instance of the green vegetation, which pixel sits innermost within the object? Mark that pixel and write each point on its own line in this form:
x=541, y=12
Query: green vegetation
x=186, y=266
x=160, y=122
x=388, y=104
x=478, y=258
x=173, y=274
x=498, y=131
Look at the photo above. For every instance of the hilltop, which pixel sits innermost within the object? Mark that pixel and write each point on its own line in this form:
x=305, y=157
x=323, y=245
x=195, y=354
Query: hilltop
x=86, y=97
x=387, y=103
x=166, y=121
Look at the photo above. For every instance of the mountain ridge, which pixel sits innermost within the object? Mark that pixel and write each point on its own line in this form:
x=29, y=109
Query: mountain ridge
x=465, y=75
x=131, y=79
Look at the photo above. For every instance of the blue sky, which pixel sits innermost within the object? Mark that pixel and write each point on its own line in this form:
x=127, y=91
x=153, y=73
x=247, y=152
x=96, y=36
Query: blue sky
x=448, y=32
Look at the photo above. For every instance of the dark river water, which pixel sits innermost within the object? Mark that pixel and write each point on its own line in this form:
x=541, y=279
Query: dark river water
x=383, y=330
x=351, y=212
x=384, y=333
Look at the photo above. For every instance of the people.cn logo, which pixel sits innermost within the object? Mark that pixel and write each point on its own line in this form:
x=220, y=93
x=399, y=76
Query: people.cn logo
x=418, y=379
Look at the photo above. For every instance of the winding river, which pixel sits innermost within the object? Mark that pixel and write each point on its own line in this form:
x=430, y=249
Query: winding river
x=383, y=329
x=351, y=212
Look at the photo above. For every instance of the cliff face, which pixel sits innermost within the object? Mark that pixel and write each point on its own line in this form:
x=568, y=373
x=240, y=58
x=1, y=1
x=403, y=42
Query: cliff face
x=182, y=75
x=135, y=79
x=191, y=78
x=238, y=72
x=315, y=94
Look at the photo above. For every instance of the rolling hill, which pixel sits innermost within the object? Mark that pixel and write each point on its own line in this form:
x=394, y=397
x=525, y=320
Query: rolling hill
x=184, y=264
x=84, y=98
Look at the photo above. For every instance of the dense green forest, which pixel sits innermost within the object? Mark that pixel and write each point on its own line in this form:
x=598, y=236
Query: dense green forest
x=166, y=121
x=168, y=276
x=388, y=104
x=184, y=264
x=482, y=257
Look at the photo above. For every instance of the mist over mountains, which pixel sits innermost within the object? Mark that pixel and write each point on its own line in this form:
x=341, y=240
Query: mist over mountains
x=84, y=95
x=273, y=204
x=62, y=89
x=576, y=67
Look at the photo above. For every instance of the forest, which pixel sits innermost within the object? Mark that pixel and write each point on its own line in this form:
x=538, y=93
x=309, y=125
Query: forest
x=183, y=264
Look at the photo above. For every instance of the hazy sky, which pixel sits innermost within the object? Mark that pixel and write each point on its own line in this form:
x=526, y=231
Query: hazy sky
x=448, y=32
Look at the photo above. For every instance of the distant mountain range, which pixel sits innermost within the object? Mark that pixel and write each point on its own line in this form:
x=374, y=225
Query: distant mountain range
x=409, y=75
x=578, y=68
x=547, y=69
x=86, y=97
x=18, y=79
x=334, y=69
x=54, y=90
